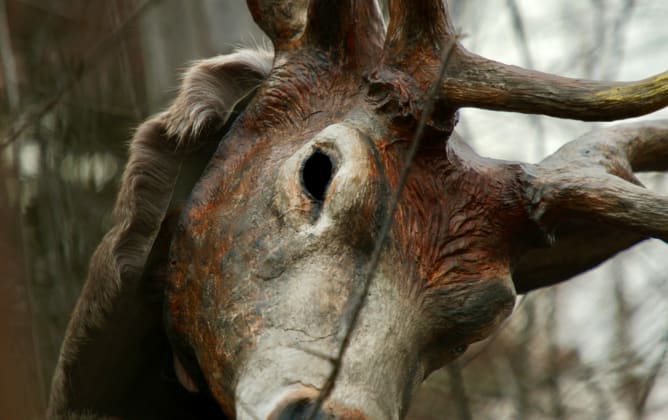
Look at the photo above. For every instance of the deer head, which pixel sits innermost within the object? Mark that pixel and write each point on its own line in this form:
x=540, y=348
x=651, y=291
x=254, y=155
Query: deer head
x=287, y=224
x=342, y=242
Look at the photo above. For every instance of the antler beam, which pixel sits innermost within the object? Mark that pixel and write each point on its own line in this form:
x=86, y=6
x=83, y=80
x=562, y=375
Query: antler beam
x=418, y=32
x=474, y=81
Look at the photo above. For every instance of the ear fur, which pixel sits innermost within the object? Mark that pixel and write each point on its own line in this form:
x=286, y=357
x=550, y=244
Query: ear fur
x=107, y=352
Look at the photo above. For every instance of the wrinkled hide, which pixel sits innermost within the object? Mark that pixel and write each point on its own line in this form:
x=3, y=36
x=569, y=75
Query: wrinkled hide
x=261, y=270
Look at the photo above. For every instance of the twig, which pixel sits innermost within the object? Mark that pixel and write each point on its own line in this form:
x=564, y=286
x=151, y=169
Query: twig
x=521, y=363
x=125, y=63
x=554, y=378
x=13, y=100
x=459, y=391
x=358, y=299
x=648, y=386
x=248, y=409
x=99, y=50
x=520, y=33
x=619, y=34
x=8, y=62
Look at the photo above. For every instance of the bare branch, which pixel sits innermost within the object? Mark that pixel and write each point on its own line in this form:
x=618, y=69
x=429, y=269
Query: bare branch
x=650, y=382
x=459, y=391
x=8, y=62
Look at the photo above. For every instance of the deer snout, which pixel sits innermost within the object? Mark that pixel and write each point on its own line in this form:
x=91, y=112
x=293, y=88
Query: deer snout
x=300, y=408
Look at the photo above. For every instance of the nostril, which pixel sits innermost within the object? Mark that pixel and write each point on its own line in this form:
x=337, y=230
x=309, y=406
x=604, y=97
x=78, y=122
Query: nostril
x=302, y=410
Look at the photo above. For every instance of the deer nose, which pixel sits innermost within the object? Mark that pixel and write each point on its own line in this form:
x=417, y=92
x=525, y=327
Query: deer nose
x=303, y=408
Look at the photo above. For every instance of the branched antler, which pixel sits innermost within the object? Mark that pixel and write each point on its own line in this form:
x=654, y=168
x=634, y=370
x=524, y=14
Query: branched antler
x=592, y=177
x=587, y=196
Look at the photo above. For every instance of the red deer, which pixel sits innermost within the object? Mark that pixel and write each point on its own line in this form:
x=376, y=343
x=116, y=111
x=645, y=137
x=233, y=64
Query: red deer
x=342, y=242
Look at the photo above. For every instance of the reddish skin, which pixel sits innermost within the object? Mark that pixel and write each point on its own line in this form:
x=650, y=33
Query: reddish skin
x=462, y=222
x=452, y=227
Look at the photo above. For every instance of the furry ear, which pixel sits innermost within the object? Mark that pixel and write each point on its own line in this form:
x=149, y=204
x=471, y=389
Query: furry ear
x=210, y=92
x=108, y=364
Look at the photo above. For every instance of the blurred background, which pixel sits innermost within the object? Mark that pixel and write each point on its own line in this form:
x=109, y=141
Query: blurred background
x=78, y=75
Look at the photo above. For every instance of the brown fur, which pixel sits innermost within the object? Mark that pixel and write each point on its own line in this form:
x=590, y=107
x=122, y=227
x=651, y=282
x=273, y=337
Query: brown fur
x=101, y=361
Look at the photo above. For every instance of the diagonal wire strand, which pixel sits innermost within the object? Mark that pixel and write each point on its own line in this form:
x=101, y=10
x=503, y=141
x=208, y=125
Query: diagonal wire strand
x=358, y=299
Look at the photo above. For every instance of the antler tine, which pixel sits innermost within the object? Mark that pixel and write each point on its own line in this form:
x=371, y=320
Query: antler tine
x=587, y=195
x=474, y=81
x=282, y=20
x=420, y=30
x=418, y=25
x=352, y=29
x=593, y=178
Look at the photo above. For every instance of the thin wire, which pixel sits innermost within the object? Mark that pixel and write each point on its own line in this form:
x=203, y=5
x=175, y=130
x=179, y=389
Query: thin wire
x=248, y=409
x=358, y=299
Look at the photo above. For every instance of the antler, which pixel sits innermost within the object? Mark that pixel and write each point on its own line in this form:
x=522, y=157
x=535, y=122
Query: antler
x=592, y=178
x=588, y=198
x=282, y=20
x=416, y=26
x=418, y=30
x=474, y=81
x=348, y=29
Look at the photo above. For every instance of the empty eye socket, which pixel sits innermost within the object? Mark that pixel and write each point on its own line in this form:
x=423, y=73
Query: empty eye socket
x=316, y=175
x=458, y=350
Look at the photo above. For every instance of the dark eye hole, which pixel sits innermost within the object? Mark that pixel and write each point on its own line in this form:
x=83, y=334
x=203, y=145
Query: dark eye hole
x=458, y=350
x=317, y=174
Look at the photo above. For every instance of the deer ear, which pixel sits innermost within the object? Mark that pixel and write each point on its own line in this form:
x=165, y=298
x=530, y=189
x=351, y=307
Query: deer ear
x=212, y=91
x=101, y=357
x=579, y=246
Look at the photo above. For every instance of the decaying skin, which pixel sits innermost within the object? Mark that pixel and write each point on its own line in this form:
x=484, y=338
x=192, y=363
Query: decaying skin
x=280, y=229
